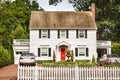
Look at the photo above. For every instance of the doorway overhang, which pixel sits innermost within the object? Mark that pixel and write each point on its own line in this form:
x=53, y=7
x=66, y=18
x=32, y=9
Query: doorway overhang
x=63, y=43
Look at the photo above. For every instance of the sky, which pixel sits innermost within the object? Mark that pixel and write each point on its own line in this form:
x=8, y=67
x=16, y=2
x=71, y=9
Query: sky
x=63, y=6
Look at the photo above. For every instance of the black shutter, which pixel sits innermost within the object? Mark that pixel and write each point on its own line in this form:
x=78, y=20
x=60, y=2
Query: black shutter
x=76, y=33
x=39, y=33
x=67, y=34
x=58, y=33
x=38, y=52
x=49, y=51
x=85, y=33
x=48, y=33
x=76, y=52
x=87, y=52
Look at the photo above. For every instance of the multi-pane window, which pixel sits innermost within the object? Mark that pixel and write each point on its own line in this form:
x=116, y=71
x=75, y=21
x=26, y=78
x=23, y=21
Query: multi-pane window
x=81, y=51
x=44, y=33
x=81, y=33
x=44, y=52
x=63, y=34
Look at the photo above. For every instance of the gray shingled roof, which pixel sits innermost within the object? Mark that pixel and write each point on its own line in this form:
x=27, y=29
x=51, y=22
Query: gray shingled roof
x=62, y=20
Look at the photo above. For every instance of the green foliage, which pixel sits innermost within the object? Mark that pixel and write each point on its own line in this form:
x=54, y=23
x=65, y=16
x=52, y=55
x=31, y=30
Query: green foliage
x=68, y=54
x=14, y=21
x=80, y=4
x=54, y=56
x=5, y=57
x=43, y=61
x=54, y=2
x=77, y=4
x=80, y=63
x=20, y=33
x=107, y=13
x=112, y=65
x=93, y=59
x=116, y=48
x=72, y=55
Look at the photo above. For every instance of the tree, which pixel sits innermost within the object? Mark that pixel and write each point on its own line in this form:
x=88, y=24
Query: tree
x=106, y=17
x=80, y=4
x=116, y=48
x=14, y=21
x=5, y=57
x=77, y=4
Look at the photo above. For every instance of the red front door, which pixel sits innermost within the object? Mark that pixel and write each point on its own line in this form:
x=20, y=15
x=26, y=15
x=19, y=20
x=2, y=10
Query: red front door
x=62, y=54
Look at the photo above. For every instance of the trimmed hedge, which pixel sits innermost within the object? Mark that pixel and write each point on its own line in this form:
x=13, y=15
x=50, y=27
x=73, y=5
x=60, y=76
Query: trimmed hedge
x=81, y=63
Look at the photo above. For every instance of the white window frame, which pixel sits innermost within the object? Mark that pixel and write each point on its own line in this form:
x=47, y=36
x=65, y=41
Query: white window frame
x=81, y=51
x=63, y=34
x=43, y=52
x=44, y=33
x=81, y=33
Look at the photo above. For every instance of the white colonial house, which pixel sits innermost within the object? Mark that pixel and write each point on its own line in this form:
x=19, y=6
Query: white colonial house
x=57, y=32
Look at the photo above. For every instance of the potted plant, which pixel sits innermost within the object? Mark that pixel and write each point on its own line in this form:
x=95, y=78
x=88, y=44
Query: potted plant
x=68, y=55
x=72, y=56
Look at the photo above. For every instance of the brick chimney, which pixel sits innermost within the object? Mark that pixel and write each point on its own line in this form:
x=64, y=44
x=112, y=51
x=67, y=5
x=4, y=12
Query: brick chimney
x=93, y=9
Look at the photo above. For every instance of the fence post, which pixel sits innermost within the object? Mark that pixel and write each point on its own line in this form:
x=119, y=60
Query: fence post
x=76, y=73
x=18, y=74
x=36, y=72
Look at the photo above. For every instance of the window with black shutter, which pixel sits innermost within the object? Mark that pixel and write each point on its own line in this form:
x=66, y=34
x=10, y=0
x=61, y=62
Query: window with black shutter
x=58, y=33
x=76, y=33
x=48, y=33
x=76, y=52
x=49, y=52
x=39, y=33
x=67, y=34
x=38, y=52
x=85, y=33
x=87, y=52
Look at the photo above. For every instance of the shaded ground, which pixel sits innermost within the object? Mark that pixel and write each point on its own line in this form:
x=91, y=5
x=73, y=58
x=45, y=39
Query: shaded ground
x=8, y=72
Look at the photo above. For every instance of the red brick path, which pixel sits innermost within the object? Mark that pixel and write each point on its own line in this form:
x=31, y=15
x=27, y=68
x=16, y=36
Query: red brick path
x=8, y=72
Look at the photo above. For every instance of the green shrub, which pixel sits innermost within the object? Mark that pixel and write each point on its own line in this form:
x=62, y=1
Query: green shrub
x=93, y=59
x=43, y=61
x=72, y=55
x=5, y=57
x=86, y=65
x=115, y=48
x=112, y=65
x=80, y=63
x=59, y=64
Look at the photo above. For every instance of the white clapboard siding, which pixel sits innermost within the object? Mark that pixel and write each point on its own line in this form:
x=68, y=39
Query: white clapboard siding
x=68, y=73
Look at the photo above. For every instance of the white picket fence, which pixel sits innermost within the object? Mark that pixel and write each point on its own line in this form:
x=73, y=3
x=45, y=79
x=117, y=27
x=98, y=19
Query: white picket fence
x=68, y=73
